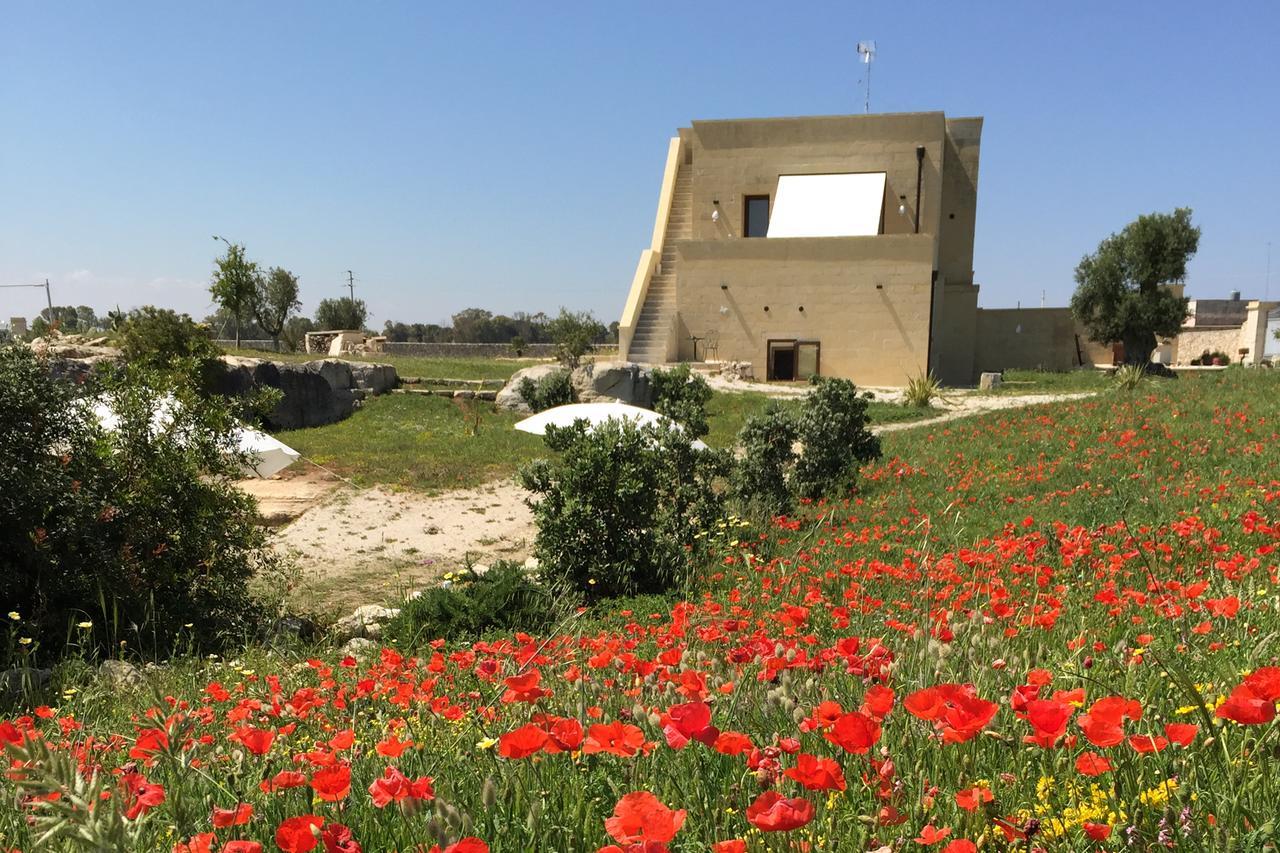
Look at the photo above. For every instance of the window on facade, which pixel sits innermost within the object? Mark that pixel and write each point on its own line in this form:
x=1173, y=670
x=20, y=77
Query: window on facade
x=756, y=216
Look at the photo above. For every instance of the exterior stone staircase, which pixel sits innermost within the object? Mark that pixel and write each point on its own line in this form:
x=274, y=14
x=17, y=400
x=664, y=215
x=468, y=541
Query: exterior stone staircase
x=648, y=345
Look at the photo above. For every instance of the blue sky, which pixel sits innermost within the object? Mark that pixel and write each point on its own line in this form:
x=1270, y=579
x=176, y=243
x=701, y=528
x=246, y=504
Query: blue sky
x=507, y=156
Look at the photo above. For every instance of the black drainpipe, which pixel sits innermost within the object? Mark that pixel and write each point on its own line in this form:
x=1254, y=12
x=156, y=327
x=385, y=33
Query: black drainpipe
x=919, y=173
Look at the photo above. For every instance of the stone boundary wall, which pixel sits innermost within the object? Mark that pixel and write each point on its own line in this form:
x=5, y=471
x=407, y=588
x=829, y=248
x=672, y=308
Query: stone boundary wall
x=246, y=343
x=451, y=350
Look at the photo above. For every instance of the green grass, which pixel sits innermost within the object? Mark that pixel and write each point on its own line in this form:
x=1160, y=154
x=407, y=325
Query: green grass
x=413, y=441
x=1051, y=382
x=413, y=365
x=727, y=412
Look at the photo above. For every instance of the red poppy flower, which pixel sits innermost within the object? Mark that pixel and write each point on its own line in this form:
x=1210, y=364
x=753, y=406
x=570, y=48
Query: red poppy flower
x=564, y=734
x=1145, y=744
x=338, y=839
x=733, y=845
x=1104, y=724
x=258, y=741
x=690, y=721
x=954, y=709
x=241, y=846
x=878, y=701
x=283, y=781
x=931, y=835
x=1092, y=764
x=1048, y=718
x=391, y=746
x=237, y=816
x=332, y=783
x=299, y=834
x=854, y=732
x=772, y=812
x=527, y=740
x=970, y=799
x=640, y=817
x=149, y=742
x=524, y=688
x=961, y=845
x=394, y=786
x=202, y=843
x=1247, y=708
x=616, y=738
x=733, y=743
x=1181, y=733
x=470, y=844
x=817, y=774
x=1097, y=831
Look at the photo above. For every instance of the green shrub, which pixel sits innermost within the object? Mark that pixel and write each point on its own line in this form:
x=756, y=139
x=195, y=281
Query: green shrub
x=574, y=333
x=922, y=390
x=551, y=390
x=832, y=427
x=501, y=599
x=1129, y=377
x=623, y=509
x=159, y=338
x=760, y=474
x=682, y=395
x=137, y=530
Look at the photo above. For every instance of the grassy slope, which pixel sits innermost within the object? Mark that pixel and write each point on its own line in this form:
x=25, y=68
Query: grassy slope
x=1202, y=451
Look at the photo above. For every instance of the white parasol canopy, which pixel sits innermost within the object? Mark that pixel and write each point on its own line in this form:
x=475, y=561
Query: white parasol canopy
x=270, y=454
x=595, y=414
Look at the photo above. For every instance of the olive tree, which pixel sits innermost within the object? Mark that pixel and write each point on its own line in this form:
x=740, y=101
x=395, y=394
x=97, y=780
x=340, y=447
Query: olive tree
x=235, y=282
x=1119, y=294
x=275, y=299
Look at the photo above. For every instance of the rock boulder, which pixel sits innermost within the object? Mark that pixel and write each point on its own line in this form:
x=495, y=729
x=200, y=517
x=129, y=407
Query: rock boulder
x=509, y=397
x=604, y=381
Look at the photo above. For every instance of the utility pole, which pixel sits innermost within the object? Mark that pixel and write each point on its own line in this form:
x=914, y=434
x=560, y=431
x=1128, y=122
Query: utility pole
x=351, y=285
x=48, y=297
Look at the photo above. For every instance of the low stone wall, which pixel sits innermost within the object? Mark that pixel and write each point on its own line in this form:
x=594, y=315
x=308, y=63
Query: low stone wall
x=452, y=350
x=245, y=343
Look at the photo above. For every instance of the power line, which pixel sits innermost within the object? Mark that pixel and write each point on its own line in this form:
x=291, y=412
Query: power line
x=351, y=285
x=47, y=295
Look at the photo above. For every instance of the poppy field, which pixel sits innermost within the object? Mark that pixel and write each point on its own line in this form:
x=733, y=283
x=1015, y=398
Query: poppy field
x=1053, y=628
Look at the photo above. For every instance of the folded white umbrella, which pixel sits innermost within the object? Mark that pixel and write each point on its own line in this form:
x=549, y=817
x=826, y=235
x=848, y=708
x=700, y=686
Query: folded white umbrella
x=595, y=414
x=269, y=454
x=272, y=455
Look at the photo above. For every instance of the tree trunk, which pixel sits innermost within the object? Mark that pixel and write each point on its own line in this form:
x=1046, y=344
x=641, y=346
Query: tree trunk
x=1138, y=347
x=237, y=331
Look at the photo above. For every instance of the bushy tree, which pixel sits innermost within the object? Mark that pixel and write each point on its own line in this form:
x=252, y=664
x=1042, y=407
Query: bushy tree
x=295, y=331
x=275, y=299
x=832, y=428
x=341, y=314
x=135, y=529
x=682, y=395
x=573, y=333
x=760, y=474
x=235, y=281
x=622, y=509
x=1120, y=295
x=160, y=338
x=68, y=319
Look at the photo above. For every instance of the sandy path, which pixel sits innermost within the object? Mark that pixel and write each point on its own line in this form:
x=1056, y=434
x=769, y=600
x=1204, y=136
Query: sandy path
x=963, y=407
x=358, y=539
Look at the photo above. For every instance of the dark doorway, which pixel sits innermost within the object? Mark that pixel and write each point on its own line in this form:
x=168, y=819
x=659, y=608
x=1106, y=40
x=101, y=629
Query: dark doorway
x=790, y=360
x=756, y=216
x=782, y=361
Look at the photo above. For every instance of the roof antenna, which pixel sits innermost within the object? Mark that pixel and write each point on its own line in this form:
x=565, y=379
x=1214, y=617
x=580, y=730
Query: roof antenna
x=867, y=51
